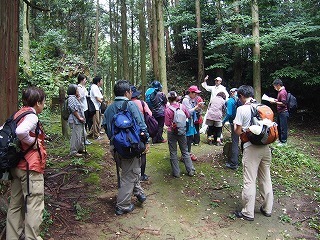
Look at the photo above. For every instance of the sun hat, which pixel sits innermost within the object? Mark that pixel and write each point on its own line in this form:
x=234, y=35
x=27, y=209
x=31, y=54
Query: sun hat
x=172, y=94
x=135, y=92
x=218, y=78
x=233, y=89
x=194, y=88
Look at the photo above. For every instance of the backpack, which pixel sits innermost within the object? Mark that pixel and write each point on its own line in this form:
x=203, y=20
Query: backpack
x=65, y=112
x=292, y=104
x=91, y=108
x=150, y=121
x=179, y=125
x=262, y=130
x=10, y=146
x=150, y=93
x=126, y=134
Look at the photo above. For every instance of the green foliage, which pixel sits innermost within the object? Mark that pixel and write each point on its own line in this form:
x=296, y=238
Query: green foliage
x=290, y=72
x=284, y=218
x=82, y=213
x=46, y=223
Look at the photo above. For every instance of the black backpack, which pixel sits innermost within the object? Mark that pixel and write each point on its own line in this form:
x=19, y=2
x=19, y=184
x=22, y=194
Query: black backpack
x=65, y=110
x=292, y=104
x=10, y=146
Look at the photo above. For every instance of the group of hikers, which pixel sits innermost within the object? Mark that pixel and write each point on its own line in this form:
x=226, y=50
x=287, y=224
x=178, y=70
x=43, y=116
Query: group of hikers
x=182, y=117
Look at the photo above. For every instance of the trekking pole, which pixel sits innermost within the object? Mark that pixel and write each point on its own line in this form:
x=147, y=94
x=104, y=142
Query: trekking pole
x=84, y=142
x=118, y=170
x=226, y=128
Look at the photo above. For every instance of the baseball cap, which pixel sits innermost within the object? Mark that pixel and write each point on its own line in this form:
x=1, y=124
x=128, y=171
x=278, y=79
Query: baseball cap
x=218, y=78
x=233, y=89
x=194, y=88
x=172, y=94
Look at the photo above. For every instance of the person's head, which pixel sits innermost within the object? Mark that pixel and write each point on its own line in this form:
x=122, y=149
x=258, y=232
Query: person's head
x=97, y=80
x=217, y=81
x=135, y=92
x=221, y=94
x=72, y=89
x=277, y=84
x=122, y=89
x=244, y=92
x=157, y=85
x=82, y=79
x=34, y=97
x=193, y=91
x=233, y=92
x=172, y=96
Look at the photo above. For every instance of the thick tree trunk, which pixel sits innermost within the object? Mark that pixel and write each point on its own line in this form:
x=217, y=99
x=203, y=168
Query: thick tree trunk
x=124, y=40
x=177, y=39
x=200, y=45
x=155, y=42
x=143, y=46
x=161, y=46
x=237, y=66
x=168, y=45
x=112, y=74
x=9, y=55
x=256, y=51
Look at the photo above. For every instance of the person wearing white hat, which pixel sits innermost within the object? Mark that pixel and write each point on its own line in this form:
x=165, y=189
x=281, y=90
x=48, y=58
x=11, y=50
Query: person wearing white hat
x=218, y=87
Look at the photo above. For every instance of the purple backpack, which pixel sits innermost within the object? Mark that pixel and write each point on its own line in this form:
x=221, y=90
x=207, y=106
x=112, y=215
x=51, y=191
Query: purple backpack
x=150, y=121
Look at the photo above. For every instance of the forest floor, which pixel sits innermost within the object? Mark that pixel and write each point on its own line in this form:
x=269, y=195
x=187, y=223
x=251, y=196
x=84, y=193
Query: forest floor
x=80, y=195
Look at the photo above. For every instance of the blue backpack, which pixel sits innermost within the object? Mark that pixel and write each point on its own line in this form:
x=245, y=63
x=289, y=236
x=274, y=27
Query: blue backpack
x=150, y=93
x=126, y=134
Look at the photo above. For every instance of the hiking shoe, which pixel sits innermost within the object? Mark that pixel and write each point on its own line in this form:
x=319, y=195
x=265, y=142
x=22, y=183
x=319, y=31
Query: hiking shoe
x=191, y=173
x=141, y=197
x=233, y=167
x=87, y=142
x=264, y=212
x=193, y=157
x=120, y=211
x=240, y=215
x=144, y=178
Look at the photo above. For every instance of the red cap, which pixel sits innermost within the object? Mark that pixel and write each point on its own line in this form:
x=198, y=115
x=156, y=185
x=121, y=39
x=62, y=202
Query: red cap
x=194, y=88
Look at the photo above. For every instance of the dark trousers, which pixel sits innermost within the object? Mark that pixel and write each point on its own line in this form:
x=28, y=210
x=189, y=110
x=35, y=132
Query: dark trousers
x=158, y=138
x=143, y=163
x=196, y=137
x=189, y=142
x=282, y=119
x=214, y=131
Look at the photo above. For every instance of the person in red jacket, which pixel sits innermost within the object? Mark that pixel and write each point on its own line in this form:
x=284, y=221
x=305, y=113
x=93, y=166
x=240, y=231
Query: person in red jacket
x=27, y=186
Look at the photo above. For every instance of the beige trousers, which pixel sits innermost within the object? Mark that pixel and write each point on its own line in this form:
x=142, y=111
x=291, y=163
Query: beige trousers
x=256, y=164
x=95, y=129
x=19, y=220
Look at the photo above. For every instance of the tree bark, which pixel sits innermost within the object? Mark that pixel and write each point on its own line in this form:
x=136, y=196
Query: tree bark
x=143, y=47
x=200, y=44
x=112, y=73
x=155, y=42
x=96, y=40
x=9, y=55
x=237, y=66
x=26, y=42
x=256, y=51
x=124, y=40
x=64, y=123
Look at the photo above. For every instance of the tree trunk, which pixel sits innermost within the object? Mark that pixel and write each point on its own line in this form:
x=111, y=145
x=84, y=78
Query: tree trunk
x=219, y=71
x=26, y=42
x=154, y=41
x=200, y=45
x=64, y=123
x=9, y=56
x=168, y=45
x=124, y=40
x=96, y=40
x=256, y=51
x=237, y=66
x=131, y=77
x=112, y=75
x=143, y=47
x=177, y=39
x=161, y=46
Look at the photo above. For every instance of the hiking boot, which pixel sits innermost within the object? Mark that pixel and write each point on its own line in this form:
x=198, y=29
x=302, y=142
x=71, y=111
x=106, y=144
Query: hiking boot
x=233, y=167
x=120, y=211
x=141, y=197
x=87, y=142
x=191, y=173
x=144, y=178
x=193, y=157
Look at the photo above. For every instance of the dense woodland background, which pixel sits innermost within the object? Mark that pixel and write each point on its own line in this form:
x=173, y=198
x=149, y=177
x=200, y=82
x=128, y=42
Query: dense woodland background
x=178, y=42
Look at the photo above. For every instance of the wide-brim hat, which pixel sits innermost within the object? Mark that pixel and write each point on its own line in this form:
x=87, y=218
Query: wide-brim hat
x=135, y=92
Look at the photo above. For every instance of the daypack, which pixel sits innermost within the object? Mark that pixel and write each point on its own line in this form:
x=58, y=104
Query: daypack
x=126, y=134
x=150, y=93
x=292, y=104
x=10, y=147
x=150, y=121
x=179, y=124
x=263, y=130
x=65, y=112
x=91, y=107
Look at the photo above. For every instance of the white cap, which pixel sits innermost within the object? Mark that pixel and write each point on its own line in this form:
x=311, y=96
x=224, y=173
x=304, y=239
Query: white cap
x=218, y=78
x=233, y=89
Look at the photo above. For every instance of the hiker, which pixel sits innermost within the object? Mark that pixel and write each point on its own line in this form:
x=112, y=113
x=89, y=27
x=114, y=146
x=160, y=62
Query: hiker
x=76, y=121
x=174, y=138
x=282, y=110
x=25, y=212
x=83, y=94
x=189, y=101
x=231, y=109
x=214, y=119
x=256, y=162
x=198, y=121
x=134, y=98
x=157, y=101
x=130, y=168
x=97, y=98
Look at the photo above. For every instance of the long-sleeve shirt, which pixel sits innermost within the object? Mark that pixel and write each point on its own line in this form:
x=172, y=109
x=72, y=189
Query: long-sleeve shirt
x=132, y=108
x=282, y=97
x=215, y=90
x=75, y=106
x=231, y=111
x=139, y=104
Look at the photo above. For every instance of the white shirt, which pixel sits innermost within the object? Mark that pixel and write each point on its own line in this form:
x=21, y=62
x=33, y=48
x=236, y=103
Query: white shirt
x=215, y=90
x=83, y=92
x=28, y=124
x=95, y=93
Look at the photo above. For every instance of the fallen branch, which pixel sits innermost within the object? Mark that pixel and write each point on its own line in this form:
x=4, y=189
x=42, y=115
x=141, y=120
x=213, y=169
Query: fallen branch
x=307, y=218
x=56, y=175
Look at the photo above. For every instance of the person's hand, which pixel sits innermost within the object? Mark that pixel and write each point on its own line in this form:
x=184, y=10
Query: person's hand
x=206, y=78
x=147, y=149
x=81, y=119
